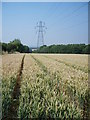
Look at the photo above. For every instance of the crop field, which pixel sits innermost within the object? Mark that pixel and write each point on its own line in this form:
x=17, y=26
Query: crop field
x=45, y=86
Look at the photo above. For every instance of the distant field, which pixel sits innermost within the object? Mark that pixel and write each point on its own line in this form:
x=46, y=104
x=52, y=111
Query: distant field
x=45, y=86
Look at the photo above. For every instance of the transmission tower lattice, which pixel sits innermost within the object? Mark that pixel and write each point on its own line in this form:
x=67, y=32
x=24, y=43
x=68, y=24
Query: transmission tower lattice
x=40, y=31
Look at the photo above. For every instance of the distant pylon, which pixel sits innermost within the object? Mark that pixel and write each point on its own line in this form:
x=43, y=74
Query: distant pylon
x=40, y=30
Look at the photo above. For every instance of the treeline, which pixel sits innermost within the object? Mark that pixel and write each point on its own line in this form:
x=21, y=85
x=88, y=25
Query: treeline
x=15, y=46
x=70, y=48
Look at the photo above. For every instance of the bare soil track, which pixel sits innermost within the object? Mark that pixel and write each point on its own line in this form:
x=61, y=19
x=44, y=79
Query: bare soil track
x=12, y=111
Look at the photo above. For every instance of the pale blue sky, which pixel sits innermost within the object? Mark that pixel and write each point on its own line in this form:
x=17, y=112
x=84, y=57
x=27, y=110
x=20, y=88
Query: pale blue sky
x=66, y=22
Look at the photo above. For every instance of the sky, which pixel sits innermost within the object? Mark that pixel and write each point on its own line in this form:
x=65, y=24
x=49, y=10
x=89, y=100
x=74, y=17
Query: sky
x=66, y=22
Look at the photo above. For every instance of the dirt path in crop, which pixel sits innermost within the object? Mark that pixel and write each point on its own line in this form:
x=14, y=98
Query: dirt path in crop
x=85, y=110
x=12, y=111
x=44, y=68
x=77, y=67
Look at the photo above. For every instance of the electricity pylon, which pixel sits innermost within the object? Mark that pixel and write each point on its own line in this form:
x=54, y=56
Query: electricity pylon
x=40, y=31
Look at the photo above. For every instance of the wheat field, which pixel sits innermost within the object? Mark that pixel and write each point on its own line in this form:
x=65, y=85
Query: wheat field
x=45, y=86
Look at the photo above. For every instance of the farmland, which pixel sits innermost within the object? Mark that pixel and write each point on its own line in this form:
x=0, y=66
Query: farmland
x=45, y=86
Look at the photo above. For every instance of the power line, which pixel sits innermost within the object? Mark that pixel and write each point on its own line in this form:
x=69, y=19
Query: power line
x=70, y=13
x=56, y=7
x=75, y=25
